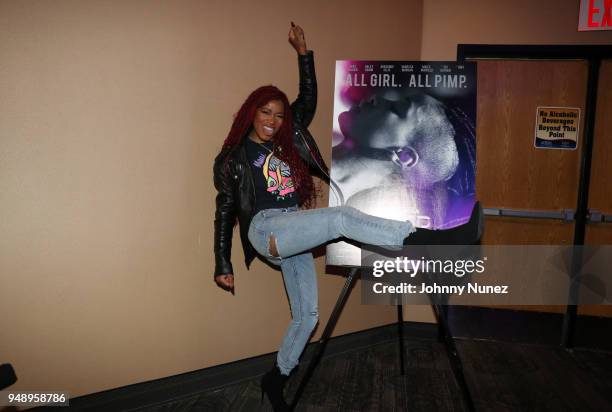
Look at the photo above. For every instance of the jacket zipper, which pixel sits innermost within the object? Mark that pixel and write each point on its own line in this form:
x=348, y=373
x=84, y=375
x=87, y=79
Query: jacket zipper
x=248, y=172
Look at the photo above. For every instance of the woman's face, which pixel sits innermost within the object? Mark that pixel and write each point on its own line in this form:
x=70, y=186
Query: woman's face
x=268, y=121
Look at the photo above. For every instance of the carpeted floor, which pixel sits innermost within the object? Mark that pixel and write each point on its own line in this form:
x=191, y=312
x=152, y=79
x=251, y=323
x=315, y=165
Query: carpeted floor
x=501, y=376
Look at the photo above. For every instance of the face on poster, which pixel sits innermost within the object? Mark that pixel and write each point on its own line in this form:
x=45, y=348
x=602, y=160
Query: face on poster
x=404, y=144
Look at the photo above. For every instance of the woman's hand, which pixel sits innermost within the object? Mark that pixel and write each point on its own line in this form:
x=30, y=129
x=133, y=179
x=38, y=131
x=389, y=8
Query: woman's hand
x=225, y=282
x=297, y=40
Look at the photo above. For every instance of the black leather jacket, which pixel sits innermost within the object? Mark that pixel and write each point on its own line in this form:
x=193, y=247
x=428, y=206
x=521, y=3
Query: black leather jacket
x=234, y=181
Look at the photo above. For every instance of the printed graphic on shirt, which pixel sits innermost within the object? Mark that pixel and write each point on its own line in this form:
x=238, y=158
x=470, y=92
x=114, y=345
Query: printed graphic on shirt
x=277, y=174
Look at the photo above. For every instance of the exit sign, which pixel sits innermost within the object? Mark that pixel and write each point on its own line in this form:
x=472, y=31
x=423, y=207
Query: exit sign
x=595, y=15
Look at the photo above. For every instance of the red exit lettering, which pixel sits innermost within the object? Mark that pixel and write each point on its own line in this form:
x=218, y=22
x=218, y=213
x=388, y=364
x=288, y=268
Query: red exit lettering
x=604, y=20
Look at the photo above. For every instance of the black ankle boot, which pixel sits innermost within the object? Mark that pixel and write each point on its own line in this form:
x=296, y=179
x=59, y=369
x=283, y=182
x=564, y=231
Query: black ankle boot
x=272, y=384
x=466, y=234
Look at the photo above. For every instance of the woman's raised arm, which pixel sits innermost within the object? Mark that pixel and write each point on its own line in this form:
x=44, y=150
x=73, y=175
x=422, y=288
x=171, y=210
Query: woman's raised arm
x=305, y=105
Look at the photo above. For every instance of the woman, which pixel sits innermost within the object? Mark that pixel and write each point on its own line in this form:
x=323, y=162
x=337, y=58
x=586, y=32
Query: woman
x=264, y=179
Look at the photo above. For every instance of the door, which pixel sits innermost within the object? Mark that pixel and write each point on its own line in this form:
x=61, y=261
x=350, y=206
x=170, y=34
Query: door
x=511, y=172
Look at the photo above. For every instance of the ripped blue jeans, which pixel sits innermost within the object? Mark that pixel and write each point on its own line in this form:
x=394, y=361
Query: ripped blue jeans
x=295, y=232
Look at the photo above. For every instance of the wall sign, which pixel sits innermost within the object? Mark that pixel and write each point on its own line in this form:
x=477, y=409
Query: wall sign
x=557, y=127
x=595, y=15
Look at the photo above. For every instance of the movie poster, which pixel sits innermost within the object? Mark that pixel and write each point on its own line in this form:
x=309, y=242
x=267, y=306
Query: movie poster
x=404, y=144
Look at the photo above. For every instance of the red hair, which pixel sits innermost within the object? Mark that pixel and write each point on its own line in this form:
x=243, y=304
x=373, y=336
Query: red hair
x=283, y=139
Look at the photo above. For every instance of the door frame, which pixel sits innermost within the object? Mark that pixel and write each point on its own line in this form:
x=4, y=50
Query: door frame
x=593, y=55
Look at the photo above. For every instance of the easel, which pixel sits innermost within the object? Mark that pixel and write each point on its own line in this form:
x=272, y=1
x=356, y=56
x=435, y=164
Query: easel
x=441, y=312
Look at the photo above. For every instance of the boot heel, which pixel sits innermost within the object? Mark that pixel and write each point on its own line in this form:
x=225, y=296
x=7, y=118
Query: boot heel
x=272, y=384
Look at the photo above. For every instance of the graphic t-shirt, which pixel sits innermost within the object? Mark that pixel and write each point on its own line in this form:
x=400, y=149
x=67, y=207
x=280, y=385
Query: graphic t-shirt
x=271, y=176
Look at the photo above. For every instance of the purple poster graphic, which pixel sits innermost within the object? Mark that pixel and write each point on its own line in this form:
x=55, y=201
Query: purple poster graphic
x=404, y=144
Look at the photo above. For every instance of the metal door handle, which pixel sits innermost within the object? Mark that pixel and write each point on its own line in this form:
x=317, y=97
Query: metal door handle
x=595, y=216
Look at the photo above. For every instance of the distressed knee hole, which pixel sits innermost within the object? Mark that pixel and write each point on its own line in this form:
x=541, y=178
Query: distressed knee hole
x=272, y=246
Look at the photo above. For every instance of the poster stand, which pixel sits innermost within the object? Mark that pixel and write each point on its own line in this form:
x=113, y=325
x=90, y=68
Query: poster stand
x=444, y=335
x=373, y=166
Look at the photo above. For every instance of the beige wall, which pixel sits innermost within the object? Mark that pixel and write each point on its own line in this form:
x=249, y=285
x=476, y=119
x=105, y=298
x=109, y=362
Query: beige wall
x=110, y=116
x=447, y=23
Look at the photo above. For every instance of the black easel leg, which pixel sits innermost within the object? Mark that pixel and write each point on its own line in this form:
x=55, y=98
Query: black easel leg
x=400, y=333
x=329, y=328
x=453, y=355
x=569, y=321
x=441, y=331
